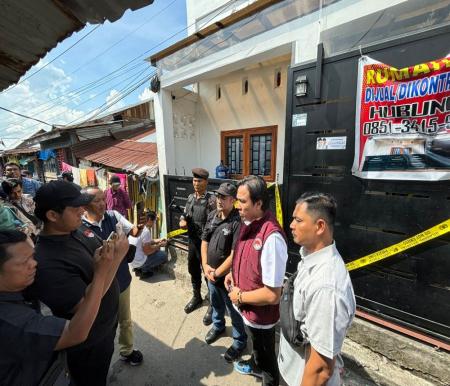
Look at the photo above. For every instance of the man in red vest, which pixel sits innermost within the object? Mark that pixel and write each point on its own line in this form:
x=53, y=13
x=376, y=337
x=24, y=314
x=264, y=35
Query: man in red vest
x=256, y=280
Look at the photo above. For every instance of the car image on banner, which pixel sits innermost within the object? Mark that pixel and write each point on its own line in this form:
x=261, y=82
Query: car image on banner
x=403, y=121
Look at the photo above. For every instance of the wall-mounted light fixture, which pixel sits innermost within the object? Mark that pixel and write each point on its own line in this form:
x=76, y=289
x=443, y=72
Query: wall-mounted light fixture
x=301, y=86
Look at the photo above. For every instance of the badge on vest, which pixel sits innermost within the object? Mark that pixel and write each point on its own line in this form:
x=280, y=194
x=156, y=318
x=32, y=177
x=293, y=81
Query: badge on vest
x=257, y=244
x=226, y=231
x=88, y=233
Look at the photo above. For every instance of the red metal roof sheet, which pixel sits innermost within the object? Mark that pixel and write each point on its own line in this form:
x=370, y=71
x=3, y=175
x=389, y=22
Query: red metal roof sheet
x=128, y=155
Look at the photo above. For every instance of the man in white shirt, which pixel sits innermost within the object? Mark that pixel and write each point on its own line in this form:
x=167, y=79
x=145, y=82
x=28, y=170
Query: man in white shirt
x=259, y=264
x=148, y=250
x=323, y=299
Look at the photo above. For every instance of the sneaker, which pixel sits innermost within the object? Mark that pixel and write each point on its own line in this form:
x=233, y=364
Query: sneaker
x=248, y=367
x=134, y=359
x=233, y=354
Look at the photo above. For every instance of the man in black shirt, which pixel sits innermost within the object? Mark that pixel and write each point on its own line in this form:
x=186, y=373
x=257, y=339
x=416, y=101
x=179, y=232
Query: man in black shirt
x=218, y=239
x=65, y=269
x=29, y=341
x=199, y=204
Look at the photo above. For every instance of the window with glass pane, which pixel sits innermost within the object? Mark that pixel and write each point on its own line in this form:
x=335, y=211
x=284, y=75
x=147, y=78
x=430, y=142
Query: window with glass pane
x=261, y=154
x=235, y=157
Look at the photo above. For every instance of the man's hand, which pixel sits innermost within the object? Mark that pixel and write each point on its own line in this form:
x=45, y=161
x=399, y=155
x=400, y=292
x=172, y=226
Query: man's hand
x=162, y=242
x=208, y=271
x=183, y=223
x=229, y=281
x=233, y=295
x=121, y=246
x=103, y=257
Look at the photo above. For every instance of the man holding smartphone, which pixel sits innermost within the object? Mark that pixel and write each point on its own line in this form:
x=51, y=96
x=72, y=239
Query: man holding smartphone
x=102, y=222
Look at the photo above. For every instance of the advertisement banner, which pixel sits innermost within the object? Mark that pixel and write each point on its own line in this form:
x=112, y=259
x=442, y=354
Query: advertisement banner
x=402, y=123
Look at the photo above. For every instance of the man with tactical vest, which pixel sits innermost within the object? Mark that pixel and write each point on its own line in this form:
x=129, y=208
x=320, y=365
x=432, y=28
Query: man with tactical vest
x=199, y=204
x=259, y=264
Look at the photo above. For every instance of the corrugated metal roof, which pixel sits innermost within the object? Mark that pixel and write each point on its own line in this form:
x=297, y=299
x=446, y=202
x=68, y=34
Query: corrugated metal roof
x=31, y=28
x=125, y=154
x=23, y=150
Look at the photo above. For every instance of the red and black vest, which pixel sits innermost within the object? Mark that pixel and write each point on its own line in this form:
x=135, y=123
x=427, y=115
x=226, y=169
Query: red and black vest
x=247, y=273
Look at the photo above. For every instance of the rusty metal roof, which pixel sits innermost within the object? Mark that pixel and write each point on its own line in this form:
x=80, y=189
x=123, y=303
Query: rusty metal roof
x=31, y=28
x=125, y=154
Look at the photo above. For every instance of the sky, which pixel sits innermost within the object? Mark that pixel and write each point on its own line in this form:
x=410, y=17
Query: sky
x=64, y=92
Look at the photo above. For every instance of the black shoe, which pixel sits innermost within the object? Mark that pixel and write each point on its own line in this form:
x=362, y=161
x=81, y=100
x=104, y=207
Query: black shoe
x=134, y=359
x=232, y=354
x=145, y=275
x=137, y=272
x=213, y=335
x=207, y=319
x=193, y=304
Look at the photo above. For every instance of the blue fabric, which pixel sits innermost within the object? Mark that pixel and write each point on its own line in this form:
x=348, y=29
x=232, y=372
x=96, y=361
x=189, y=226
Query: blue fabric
x=44, y=155
x=219, y=302
x=109, y=223
x=153, y=260
x=30, y=186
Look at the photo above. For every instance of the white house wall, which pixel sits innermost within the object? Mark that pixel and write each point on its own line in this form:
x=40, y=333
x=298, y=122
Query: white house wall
x=263, y=105
x=186, y=136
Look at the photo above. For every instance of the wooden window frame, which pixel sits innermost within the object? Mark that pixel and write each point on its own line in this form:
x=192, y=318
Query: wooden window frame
x=246, y=134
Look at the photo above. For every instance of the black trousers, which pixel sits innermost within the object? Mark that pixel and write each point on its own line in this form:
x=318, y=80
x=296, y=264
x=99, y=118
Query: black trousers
x=264, y=354
x=195, y=263
x=89, y=366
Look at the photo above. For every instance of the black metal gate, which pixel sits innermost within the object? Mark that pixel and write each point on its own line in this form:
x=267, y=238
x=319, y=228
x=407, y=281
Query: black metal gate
x=412, y=287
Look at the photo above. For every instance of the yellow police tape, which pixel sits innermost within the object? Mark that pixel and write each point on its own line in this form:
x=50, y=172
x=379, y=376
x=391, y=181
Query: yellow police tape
x=176, y=233
x=420, y=238
x=279, y=211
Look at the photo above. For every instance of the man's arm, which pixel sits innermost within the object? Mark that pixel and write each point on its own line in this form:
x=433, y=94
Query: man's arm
x=77, y=329
x=118, y=252
x=260, y=297
x=318, y=369
x=207, y=269
x=225, y=267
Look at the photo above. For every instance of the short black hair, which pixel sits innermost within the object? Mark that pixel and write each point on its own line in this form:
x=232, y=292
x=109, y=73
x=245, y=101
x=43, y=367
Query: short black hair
x=151, y=215
x=42, y=214
x=114, y=179
x=7, y=238
x=320, y=205
x=257, y=188
x=12, y=163
x=9, y=184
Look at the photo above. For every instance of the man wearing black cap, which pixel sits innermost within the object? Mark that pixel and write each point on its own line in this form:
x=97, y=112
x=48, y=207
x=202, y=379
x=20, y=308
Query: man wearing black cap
x=199, y=204
x=65, y=269
x=218, y=239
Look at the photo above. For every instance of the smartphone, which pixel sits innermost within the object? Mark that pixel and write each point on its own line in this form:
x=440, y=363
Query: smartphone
x=119, y=229
x=112, y=236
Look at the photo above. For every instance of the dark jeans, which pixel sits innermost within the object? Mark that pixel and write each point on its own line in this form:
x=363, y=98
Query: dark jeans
x=264, y=354
x=195, y=263
x=219, y=302
x=89, y=366
x=154, y=260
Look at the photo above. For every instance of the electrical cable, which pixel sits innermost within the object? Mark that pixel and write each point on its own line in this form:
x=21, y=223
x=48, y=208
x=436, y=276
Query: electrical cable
x=106, y=105
x=51, y=61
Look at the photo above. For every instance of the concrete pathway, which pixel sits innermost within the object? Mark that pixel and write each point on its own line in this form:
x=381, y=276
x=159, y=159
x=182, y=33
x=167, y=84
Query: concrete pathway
x=173, y=345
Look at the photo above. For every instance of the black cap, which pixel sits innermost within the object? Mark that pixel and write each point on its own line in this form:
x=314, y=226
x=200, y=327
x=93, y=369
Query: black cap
x=60, y=193
x=200, y=173
x=227, y=189
x=114, y=180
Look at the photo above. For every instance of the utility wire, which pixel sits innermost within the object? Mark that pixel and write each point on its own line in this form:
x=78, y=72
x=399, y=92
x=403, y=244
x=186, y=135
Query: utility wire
x=57, y=57
x=108, y=105
x=25, y=116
